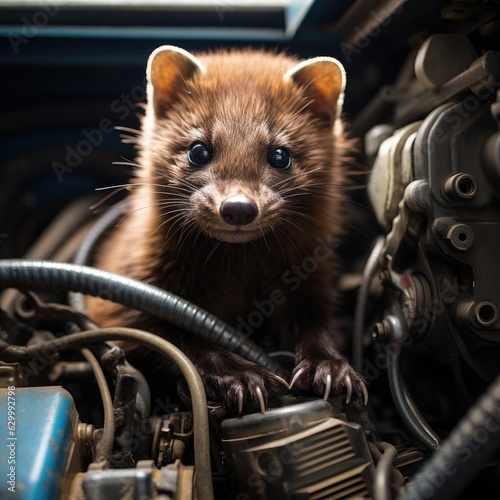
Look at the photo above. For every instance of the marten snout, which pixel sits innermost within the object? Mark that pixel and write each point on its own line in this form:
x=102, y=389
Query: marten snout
x=238, y=210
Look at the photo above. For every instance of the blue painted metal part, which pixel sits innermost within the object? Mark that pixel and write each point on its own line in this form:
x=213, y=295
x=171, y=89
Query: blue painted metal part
x=37, y=444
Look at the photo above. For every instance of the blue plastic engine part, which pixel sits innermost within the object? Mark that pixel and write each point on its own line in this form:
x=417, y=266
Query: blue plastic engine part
x=37, y=425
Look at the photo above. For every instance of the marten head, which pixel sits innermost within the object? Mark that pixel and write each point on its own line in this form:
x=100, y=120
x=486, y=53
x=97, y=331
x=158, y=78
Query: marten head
x=241, y=144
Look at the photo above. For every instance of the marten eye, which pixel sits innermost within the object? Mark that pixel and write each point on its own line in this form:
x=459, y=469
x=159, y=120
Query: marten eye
x=199, y=154
x=280, y=158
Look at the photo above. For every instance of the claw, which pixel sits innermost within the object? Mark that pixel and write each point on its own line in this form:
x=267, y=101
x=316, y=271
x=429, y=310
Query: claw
x=328, y=387
x=348, y=386
x=240, y=401
x=365, y=393
x=260, y=397
x=295, y=377
x=282, y=381
x=213, y=408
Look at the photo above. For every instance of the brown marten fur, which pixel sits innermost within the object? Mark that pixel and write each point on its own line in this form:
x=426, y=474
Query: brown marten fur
x=236, y=206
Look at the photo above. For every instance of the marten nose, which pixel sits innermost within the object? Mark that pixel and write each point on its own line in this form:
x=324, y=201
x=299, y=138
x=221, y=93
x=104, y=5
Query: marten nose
x=238, y=210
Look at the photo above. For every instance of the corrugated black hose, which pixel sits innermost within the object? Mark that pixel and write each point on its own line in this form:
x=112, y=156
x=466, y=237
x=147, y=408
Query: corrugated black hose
x=63, y=277
x=465, y=451
x=83, y=256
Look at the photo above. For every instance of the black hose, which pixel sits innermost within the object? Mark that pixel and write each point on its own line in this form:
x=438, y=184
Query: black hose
x=82, y=256
x=403, y=401
x=382, y=489
x=465, y=451
x=407, y=408
x=55, y=276
x=104, y=447
x=361, y=301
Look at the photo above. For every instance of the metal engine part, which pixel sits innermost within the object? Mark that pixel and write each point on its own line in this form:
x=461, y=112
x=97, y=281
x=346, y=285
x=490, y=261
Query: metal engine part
x=171, y=436
x=435, y=186
x=299, y=451
x=145, y=481
x=43, y=441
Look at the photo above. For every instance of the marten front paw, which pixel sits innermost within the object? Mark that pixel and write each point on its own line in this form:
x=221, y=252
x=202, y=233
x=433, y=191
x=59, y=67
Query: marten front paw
x=244, y=390
x=328, y=377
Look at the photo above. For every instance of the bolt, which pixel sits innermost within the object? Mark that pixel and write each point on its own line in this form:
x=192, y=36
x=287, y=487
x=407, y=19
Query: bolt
x=380, y=331
x=85, y=435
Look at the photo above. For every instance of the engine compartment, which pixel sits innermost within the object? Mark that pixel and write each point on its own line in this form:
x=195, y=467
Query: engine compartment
x=420, y=281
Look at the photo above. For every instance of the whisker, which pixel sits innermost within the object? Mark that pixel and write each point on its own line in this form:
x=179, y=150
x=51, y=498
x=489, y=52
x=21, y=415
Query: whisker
x=257, y=253
x=292, y=177
x=285, y=234
x=126, y=163
x=225, y=255
x=284, y=219
x=203, y=241
x=244, y=256
x=179, y=225
x=215, y=247
x=280, y=243
x=129, y=140
x=137, y=131
x=129, y=185
x=106, y=198
x=170, y=203
x=187, y=228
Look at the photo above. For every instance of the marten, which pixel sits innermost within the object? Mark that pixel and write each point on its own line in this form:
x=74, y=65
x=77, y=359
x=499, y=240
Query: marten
x=236, y=205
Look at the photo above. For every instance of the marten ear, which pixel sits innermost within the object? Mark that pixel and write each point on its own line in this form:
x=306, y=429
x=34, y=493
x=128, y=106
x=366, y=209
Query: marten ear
x=323, y=80
x=168, y=70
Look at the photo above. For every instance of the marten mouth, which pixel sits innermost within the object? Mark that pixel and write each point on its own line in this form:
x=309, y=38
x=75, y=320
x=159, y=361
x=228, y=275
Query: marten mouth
x=236, y=235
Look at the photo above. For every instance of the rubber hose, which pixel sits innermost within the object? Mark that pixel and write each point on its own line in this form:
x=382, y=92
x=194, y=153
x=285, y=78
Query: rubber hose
x=64, y=277
x=403, y=401
x=104, y=447
x=361, y=301
x=464, y=452
x=406, y=407
x=383, y=474
x=82, y=257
